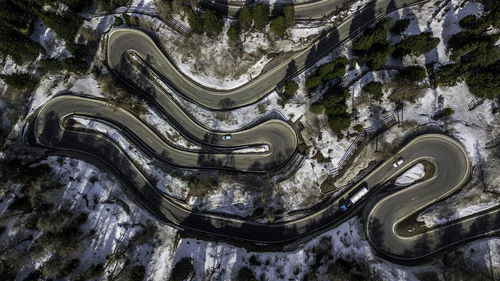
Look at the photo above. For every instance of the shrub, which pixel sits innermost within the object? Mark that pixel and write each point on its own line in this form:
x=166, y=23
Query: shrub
x=374, y=89
x=245, y=18
x=21, y=204
x=182, y=270
x=260, y=16
x=254, y=261
x=291, y=88
x=289, y=13
x=313, y=82
x=118, y=21
x=358, y=127
x=416, y=45
x=195, y=21
x=233, y=33
x=412, y=73
x=213, y=23
x=400, y=26
x=278, y=26
x=246, y=274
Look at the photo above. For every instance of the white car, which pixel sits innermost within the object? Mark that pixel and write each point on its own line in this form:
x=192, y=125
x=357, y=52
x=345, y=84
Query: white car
x=226, y=137
x=398, y=162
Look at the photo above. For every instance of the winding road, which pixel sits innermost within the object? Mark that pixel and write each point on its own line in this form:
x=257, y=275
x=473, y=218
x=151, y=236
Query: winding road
x=136, y=60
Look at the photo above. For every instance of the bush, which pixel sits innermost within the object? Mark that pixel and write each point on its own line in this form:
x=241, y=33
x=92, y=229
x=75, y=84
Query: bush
x=233, y=33
x=213, y=23
x=375, y=89
x=313, y=81
x=20, y=81
x=416, y=45
x=400, y=26
x=21, y=204
x=245, y=18
x=195, y=21
x=291, y=88
x=260, y=16
x=182, y=270
x=358, y=127
x=278, y=26
x=246, y=274
x=58, y=268
x=412, y=73
x=289, y=13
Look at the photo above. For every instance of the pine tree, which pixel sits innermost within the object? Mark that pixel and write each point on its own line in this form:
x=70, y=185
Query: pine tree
x=260, y=16
x=289, y=15
x=245, y=18
x=278, y=26
x=213, y=24
x=233, y=33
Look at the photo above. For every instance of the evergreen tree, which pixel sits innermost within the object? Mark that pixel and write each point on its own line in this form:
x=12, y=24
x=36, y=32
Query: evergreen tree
x=245, y=18
x=400, y=26
x=413, y=73
x=291, y=88
x=289, y=13
x=416, y=45
x=233, y=33
x=260, y=16
x=278, y=26
x=213, y=24
x=195, y=21
x=375, y=89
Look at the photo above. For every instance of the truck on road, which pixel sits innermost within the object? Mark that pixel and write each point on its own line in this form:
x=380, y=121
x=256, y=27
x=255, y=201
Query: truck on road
x=354, y=196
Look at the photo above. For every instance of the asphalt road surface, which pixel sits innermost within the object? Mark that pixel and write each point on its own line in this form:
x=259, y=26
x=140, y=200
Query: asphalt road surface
x=120, y=42
x=136, y=60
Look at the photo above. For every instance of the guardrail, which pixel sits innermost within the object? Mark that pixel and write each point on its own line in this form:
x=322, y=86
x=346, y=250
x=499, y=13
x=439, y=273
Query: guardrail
x=475, y=103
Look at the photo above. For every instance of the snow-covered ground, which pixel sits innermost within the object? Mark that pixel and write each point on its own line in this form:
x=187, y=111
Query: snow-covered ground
x=411, y=175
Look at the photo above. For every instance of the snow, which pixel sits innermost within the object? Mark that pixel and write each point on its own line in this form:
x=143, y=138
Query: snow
x=165, y=183
x=411, y=175
x=53, y=84
x=54, y=46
